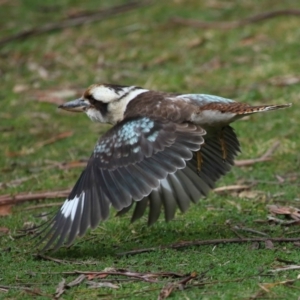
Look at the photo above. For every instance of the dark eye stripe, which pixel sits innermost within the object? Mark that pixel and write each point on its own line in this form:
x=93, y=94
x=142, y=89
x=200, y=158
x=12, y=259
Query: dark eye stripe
x=101, y=106
x=90, y=98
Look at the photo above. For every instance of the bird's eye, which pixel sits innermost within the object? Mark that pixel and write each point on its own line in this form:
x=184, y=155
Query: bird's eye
x=92, y=100
x=100, y=106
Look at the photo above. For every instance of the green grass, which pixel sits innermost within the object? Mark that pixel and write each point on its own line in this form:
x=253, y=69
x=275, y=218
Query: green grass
x=143, y=47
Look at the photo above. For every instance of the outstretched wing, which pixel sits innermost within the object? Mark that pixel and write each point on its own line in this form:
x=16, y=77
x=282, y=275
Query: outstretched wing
x=128, y=162
x=191, y=183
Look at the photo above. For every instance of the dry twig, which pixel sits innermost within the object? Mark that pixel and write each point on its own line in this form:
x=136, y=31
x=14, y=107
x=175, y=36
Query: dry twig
x=43, y=206
x=96, y=285
x=60, y=289
x=23, y=197
x=41, y=144
x=16, y=182
x=250, y=230
x=148, y=277
x=170, y=286
x=62, y=261
x=264, y=157
x=72, y=22
x=231, y=188
x=66, y=165
x=238, y=23
x=76, y=281
x=210, y=242
x=35, y=292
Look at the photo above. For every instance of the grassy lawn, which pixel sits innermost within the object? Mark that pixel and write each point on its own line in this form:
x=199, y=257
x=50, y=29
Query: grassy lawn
x=257, y=63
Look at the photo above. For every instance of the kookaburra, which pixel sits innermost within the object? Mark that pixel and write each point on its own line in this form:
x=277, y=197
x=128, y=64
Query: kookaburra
x=164, y=151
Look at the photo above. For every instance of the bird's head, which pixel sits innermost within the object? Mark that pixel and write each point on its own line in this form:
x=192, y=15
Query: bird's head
x=102, y=102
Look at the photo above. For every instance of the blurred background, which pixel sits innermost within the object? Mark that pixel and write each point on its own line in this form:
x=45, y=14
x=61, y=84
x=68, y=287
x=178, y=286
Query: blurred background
x=51, y=51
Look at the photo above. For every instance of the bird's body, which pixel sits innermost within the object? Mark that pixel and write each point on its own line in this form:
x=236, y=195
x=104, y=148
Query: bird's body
x=164, y=150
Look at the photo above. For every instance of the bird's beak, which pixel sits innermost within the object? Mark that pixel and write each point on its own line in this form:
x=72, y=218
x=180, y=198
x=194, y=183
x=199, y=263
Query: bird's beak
x=77, y=105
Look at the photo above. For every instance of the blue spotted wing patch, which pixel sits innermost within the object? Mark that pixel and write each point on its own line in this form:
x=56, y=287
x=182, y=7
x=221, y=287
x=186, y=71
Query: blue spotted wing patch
x=132, y=140
x=128, y=163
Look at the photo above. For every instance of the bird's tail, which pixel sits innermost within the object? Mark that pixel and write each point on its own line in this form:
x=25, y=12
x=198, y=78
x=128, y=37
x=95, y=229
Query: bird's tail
x=262, y=108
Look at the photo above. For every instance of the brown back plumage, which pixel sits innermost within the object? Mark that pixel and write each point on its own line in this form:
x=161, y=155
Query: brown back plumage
x=240, y=108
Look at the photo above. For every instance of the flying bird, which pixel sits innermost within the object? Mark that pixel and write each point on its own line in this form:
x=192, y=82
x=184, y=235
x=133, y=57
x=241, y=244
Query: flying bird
x=163, y=152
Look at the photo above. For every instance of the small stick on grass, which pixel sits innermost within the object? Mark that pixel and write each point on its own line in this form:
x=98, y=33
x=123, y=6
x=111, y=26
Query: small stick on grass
x=6, y=288
x=61, y=261
x=236, y=233
x=209, y=242
x=232, y=188
x=288, y=268
x=16, y=182
x=265, y=157
x=289, y=262
x=43, y=206
x=170, y=286
x=250, y=230
x=41, y=144
x=23, y=197
x=238, y=23
x=72, y=22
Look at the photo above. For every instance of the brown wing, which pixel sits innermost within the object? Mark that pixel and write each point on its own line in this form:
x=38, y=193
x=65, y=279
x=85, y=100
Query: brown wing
x=128, y=162
x=191, y=183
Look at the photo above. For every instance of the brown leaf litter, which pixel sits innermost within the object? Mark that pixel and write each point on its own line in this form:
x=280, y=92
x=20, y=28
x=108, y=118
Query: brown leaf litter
x=291, y=214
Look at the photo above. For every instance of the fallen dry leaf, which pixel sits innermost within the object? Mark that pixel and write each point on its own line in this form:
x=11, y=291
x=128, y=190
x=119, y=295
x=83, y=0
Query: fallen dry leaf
x=292, y=177
x=255, y=246
x=93, y=276
x=28, y=225
x=280, y=179
x=4, y=230
x=290, y=211
x=253, y=40
x=38, y=69
x=60, y=288
x=282, y=222
x=167, y=290
x=297, y=244
x=169, y=287
x=287, y=268
x=231, y=188
x=268, y=286
x=196, y=42
x=249, y=194
x=285, y=80
x=162, y=59
x=269, y=244
x=5, y=210
x=20, y=88
x=76, y=281
x=96, y=285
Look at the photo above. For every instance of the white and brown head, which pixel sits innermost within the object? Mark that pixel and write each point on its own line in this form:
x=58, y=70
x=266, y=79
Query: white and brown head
x=104, y=103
